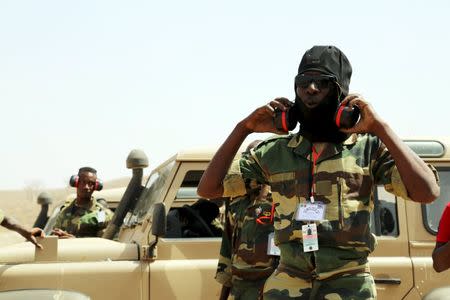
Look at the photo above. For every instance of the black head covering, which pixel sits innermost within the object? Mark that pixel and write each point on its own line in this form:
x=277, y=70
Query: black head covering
x=318, y=123
x=330, y=61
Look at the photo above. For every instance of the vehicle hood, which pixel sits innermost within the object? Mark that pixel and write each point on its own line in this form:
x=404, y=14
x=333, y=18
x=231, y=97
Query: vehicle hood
x=70, y=250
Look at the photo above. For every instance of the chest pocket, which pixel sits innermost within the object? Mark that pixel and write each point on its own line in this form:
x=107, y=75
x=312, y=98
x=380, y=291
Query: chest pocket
x=89, y=224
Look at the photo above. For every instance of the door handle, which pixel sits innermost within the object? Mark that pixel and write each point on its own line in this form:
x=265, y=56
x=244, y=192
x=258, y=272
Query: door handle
x=388, y=281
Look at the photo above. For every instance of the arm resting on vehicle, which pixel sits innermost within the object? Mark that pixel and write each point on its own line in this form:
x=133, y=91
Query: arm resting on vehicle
x=30, y=235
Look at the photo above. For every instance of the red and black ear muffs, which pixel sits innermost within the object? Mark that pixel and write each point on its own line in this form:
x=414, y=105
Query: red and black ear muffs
x=346, y=116
x=74, y=183
x=286, y=120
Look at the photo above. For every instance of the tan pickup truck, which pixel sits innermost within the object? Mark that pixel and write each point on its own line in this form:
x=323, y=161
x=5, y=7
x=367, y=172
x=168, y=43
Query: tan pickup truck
x=144, y=261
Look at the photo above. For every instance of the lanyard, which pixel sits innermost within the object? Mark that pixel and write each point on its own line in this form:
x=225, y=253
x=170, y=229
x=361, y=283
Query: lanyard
x=315, y=156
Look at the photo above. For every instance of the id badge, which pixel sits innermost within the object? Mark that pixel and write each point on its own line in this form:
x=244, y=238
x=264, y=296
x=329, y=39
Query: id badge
x=101, y=216
x=272, y=249
x=310, y=211
x=310, y=241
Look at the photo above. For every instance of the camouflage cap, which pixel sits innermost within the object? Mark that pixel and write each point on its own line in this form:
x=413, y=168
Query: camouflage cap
x=328, y=60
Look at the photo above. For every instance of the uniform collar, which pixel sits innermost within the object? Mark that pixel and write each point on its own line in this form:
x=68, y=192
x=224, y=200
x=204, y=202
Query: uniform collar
x=88, y=206
x=302, y=146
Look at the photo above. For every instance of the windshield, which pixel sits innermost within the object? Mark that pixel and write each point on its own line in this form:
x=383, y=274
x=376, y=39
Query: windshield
x=433, y=211
x=52, y=220
x=152, y=192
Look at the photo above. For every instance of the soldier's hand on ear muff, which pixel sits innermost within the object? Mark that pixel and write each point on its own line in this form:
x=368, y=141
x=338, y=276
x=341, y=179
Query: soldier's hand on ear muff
x=261, y=120
x=281, y=103
x=369, y=121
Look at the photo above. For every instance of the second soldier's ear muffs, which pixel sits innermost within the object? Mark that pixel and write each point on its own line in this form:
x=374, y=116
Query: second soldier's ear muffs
x=74, y=179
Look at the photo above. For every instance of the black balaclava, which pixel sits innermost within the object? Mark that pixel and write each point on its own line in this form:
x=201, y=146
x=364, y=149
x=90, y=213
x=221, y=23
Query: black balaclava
x=318, y=123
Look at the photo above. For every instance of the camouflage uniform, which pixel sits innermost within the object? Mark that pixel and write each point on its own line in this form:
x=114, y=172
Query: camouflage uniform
x=84, y=221
x=244, y=264
x=344, y=177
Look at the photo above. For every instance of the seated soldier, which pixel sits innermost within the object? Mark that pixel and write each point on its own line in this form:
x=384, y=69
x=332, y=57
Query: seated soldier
x=84, y=216
x=247, y=256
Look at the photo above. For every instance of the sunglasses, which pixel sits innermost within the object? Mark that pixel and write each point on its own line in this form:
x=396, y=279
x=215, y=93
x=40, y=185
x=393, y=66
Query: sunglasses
x=320, y=81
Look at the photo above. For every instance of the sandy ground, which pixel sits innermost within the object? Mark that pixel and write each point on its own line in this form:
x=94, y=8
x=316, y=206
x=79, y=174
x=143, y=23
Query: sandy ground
x=22, y=205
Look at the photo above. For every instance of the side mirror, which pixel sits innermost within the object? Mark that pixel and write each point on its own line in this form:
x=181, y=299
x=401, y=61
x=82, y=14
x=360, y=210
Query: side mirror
x=44, y=200
x=159, y=220
x=137, y=161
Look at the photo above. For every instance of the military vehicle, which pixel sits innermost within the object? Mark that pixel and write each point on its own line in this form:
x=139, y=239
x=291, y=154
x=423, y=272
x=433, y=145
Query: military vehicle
x=137, y=259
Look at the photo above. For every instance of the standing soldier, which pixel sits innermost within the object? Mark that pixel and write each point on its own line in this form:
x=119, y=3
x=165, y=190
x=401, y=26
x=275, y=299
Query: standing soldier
x=246, y=257
x=83, y=217
x=322, y=179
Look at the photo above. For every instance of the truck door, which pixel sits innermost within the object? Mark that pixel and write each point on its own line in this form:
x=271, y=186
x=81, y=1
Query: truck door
x=424, y=224
x=390, y=263
x=186, y=262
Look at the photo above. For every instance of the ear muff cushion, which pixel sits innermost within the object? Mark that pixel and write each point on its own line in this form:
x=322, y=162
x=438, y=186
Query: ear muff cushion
x=98, y=185
x=285, y=120
x=338, y=116
x=73, y=181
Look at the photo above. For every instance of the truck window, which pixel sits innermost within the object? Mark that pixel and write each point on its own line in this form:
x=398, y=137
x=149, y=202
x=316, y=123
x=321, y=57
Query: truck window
x=190, y=216
x=384, y=220
x=431, y=213
x=187, y=193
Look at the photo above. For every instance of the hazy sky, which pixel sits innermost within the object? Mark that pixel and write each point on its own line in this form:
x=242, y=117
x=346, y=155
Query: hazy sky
x=84, y=82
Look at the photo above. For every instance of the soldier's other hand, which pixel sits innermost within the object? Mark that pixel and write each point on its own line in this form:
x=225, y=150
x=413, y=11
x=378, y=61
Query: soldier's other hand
x=262, y=119
x=369, y=121
x=62, y=234
x=32, y=234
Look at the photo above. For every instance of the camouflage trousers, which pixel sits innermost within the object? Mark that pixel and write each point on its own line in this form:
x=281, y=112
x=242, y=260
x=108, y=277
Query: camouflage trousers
x=281, y=286
x=247, y=289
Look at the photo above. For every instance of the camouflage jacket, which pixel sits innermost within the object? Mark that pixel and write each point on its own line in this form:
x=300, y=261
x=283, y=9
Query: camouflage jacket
x=344, y=178
x=89, y=221
x=243, y=252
